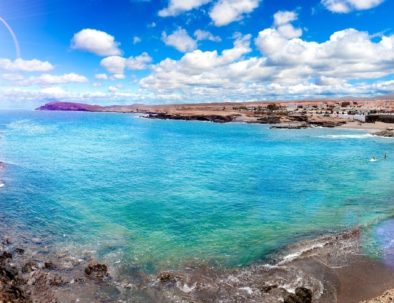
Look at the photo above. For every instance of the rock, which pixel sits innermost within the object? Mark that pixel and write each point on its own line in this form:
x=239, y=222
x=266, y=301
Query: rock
x=29, y=267
x=302, y=295
x=188, y=117
x=5, y=255
x=268, y=288
x=19, y=251
x=385, y=133
x=49, y=265
x=290, y=126
x=96, y=270
x=168, y=277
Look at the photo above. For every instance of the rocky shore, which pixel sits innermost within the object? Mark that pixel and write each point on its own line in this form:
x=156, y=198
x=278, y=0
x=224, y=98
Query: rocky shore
x=323, y=270
x=36, y=275
x=388, y=133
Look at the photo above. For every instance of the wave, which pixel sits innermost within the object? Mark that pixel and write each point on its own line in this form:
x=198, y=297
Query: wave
x=349, y=136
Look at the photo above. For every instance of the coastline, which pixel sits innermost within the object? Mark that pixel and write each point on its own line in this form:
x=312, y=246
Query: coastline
x=279, y=115
x=325, y=269
x=199, y=282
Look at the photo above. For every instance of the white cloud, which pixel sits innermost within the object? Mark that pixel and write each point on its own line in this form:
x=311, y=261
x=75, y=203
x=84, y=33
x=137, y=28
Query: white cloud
x=346, y=6
x=288, y=67
x=282, y=23
x=48, y=79
x=101, y=76
x=21, y=65
x=117, y=65
x=201, y=35
x=284, y=17
x=180, y=39
x=95, y=41
x=176, y=7
x=136, y=40
x=114, y=64
x=227, y=11
x=140, y=62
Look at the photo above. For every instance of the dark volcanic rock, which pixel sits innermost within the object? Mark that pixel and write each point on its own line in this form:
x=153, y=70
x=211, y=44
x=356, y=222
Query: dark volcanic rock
x=197, y=117
x=96, y=270
x=302, y=295
x=269, y=119
x=70, y=106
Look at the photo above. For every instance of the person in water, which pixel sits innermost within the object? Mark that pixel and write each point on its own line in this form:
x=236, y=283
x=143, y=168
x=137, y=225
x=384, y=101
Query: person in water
x=385, y=156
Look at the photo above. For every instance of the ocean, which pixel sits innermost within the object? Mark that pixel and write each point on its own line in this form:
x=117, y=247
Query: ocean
x=156, y=194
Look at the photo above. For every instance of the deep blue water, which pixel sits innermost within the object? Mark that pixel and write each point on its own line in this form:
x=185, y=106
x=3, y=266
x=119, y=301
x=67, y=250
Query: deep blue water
x=157, y=193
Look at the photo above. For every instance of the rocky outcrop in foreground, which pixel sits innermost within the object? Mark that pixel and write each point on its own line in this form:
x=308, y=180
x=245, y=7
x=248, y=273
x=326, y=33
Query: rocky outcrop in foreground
x=28, y=276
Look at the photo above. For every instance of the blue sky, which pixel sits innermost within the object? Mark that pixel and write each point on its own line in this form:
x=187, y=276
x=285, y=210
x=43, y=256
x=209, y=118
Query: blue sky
x=174, y=51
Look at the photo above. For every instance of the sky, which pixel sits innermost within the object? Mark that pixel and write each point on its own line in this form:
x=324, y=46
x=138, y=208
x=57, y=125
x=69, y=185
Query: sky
x=180, y=51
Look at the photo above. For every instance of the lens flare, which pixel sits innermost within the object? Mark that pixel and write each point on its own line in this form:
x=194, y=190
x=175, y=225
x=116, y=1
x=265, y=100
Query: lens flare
x=17, y=47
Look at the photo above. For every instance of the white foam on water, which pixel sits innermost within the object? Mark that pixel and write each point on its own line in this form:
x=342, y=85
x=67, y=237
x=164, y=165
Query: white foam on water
x=248, y=290
x=349, y=136
x=186, y=288
x=296, y=254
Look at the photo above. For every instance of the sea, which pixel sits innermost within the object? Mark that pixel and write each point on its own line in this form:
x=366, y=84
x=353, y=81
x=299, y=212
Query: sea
x=159, y=193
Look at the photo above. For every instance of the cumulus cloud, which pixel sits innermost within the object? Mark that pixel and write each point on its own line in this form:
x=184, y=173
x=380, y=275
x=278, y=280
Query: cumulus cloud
x=347, y=6
x=227, y=11
x=181, y=40
x=117, y=65
x=48, y=79
x=101, y=76
x=288, y=66
x=21, y=65
x=140, y=62
x=201, y=35
x=95, y=41
x=282, y=23
x=176, y=7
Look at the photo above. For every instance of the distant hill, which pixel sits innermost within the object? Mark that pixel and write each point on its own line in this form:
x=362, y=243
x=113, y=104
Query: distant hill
x=70, y=106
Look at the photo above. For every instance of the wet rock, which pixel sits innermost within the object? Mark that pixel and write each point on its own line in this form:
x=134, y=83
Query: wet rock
x=96, y=270
x=19, y=251
x=29, y=267
x=12, y=293
x=268, y=288
x=8, y=273
x=302, y=295
x=5, y=255
x=56, y=281
x=49, y=265
x=167, y=277
x=388, y=133
x=6, y=241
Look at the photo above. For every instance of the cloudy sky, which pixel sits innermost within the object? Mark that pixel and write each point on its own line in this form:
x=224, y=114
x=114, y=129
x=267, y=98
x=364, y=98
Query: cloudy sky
x=174, y=51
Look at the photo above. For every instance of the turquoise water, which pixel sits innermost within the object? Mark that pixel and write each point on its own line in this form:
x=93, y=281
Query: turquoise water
x=159, y=193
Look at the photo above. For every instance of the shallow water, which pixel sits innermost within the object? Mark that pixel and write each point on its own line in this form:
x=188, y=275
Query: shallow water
x=159, y=193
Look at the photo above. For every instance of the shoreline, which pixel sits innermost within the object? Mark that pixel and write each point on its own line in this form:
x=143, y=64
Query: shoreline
x=325, y=269
x=280, y=115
